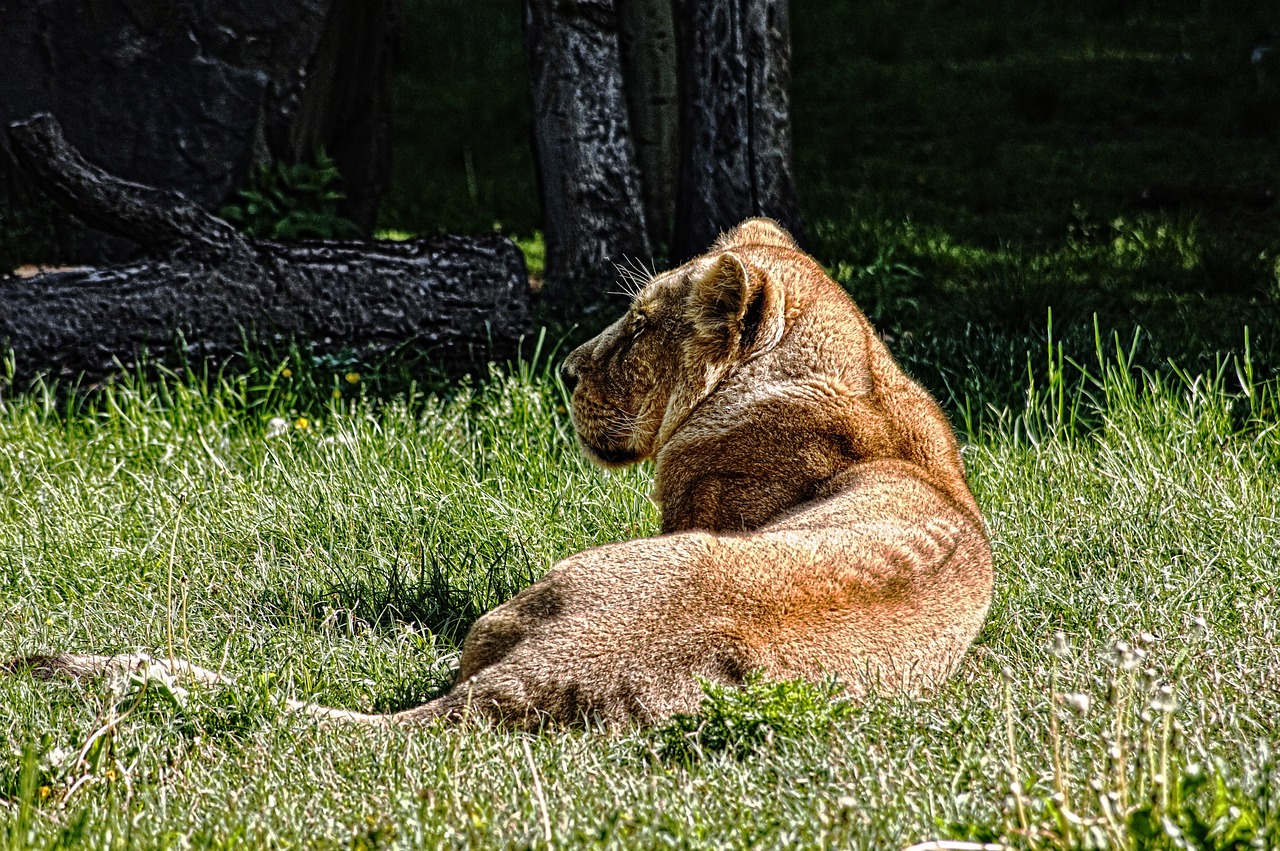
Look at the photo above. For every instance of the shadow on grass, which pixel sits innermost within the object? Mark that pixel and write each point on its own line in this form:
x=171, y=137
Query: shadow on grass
x=442, y=594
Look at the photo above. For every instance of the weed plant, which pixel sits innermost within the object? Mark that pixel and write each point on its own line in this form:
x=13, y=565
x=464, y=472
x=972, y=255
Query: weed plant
x=1122, y=694
x=292, y=201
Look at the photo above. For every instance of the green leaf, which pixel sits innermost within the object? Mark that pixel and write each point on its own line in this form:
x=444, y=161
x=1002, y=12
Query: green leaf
x=1143, y=827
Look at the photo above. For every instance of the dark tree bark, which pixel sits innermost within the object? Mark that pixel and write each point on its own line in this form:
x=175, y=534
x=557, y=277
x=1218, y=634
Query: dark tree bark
x=188, y=96
x=648, y=41
x=465, y=299
x=591, y=200
x=345, y=104
x=735, y=127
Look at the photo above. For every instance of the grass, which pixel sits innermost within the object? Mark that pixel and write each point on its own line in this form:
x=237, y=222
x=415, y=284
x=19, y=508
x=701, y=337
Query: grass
x=1122, y=690
x=328, y=529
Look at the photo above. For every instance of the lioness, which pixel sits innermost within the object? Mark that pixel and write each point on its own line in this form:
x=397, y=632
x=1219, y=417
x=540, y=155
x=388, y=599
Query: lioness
x=815, y=516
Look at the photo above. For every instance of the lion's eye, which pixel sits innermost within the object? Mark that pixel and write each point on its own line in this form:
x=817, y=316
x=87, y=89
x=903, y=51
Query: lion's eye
x=638, y=323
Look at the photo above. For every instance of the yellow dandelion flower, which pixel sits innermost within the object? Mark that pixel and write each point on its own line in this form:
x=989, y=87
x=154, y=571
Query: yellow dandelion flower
x=337, y=394
x=45, y=792
x=302, y=423
x=286, y=373
x=110, y=775
x=353, y=377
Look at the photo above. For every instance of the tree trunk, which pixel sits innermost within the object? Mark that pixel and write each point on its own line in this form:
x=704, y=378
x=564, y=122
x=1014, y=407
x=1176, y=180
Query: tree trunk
x=735, y=127
x=591, y=199
x=648, y=41
x=464, y=299
x=188, y=96
x=345, y=104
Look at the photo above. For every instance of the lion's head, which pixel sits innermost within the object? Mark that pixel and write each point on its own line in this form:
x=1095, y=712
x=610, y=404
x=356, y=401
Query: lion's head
x=638, y=380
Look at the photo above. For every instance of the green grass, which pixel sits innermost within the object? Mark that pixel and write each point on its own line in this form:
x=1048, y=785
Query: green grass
x=329, y=528
x=342, y=561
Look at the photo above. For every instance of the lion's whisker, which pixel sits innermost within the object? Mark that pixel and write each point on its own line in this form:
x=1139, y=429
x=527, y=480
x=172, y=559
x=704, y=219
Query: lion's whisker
x=634, y=276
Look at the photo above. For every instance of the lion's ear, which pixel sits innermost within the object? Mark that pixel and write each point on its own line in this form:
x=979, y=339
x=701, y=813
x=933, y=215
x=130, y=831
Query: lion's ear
x=737, y=309
x=757, y=231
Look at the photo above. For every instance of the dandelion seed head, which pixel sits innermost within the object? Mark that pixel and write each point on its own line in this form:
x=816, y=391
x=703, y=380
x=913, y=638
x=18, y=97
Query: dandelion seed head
x=1164, y=701
x=1125, y=658
x=1061, y=648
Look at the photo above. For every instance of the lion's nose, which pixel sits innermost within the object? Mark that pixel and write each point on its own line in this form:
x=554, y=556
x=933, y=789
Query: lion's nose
x=568, y=376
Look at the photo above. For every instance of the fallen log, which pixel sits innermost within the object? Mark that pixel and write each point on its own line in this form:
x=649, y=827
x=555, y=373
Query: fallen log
x=207, y=288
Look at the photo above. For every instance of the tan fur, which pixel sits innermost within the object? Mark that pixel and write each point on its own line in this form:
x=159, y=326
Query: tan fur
x=815, y=516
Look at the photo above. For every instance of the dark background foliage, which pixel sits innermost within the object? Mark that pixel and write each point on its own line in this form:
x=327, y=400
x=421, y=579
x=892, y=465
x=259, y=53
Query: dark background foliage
x=964, y=168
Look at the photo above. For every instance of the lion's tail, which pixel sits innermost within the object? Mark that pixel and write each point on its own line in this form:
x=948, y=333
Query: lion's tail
x=89, y=666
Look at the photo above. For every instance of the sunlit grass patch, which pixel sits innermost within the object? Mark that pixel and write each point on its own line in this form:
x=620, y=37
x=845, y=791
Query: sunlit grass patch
x=1132, y=512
